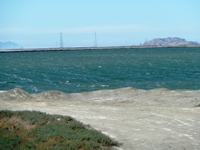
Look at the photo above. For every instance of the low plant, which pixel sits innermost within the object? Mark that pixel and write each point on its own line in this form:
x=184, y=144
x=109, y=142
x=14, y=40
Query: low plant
x=37, y=130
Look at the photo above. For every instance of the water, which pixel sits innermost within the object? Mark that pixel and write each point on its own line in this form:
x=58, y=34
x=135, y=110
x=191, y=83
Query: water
x=89, y=70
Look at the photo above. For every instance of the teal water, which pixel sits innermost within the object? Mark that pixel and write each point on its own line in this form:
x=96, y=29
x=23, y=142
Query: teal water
x=89, y=70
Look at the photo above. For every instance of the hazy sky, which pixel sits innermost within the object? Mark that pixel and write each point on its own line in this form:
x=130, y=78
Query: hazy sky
x=38, y=23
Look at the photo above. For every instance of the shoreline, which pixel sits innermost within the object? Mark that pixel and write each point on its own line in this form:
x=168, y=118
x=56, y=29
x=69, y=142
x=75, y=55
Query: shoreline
x=161, y=96
x=98, y=90
x=91, y=48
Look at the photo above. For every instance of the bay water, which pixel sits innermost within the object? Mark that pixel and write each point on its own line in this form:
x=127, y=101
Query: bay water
x=89, y=70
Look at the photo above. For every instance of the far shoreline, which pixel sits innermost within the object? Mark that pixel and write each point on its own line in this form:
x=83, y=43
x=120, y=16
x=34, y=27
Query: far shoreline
x=91, y=48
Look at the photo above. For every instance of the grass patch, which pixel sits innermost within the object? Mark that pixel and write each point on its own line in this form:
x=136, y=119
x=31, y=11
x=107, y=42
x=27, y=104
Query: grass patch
x=23, y=130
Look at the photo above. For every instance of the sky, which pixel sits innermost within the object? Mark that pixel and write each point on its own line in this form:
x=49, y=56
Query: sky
x=38, y=23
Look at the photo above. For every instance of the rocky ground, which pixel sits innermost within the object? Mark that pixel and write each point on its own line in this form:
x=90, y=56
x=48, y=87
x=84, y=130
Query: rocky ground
x=158, y=119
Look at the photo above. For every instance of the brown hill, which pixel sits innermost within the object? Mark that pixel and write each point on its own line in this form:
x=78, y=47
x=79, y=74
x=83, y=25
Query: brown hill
x=171, y=41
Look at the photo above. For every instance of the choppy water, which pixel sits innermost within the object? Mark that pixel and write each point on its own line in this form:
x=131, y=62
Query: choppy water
x=78, y=71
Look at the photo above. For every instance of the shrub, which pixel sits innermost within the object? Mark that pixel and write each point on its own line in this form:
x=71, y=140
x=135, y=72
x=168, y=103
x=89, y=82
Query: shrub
x=49, y=132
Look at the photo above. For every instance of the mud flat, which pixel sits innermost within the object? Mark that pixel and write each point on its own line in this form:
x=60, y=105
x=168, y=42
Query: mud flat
x=158, y=119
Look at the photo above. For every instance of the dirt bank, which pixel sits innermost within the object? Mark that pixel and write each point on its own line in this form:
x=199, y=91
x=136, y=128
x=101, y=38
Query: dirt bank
x=158, y=119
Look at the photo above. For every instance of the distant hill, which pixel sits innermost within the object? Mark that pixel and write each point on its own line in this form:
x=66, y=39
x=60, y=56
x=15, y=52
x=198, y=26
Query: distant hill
x=170, y=41
x=9, y=45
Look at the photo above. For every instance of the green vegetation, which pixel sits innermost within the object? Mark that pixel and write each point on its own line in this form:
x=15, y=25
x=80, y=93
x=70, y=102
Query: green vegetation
x=23, y=130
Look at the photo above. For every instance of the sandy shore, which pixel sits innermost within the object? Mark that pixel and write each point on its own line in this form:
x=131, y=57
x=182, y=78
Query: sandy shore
x=158, y=119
